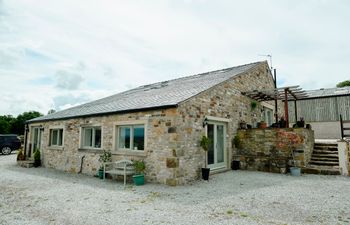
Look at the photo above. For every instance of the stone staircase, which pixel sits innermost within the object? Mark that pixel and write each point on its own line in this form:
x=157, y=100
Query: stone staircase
x=324, y=160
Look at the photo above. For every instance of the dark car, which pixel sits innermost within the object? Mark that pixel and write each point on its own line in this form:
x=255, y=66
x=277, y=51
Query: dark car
x=8, y=143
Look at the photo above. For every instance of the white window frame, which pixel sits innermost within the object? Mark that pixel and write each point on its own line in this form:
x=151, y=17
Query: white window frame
x=131, y=141
x=129, y=151
x=58, y=137
x=82, y=137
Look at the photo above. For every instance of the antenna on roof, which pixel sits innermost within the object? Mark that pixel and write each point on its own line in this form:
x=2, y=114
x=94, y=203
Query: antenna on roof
x=268, y=56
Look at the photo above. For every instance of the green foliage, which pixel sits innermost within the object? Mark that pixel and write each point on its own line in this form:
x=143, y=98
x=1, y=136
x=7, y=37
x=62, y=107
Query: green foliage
x=106, y=156
x=253, y=105
x=12, y=125
x=205, y=143
x=20, y=155
x=237, y=141
x=344, y=83
x=36, y=154
x=6, y=124
x=139, y=166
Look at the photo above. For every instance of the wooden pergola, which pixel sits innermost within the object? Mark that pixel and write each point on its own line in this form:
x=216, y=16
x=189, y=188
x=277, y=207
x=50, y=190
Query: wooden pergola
x=290, y=93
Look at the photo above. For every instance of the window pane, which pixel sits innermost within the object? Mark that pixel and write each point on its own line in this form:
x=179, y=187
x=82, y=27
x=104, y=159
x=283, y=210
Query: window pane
x=211, y=146
x=124, y=137
x=54, y=137
x=139, y=137
x=88, y=137
x=97, y=138
x=60, y=139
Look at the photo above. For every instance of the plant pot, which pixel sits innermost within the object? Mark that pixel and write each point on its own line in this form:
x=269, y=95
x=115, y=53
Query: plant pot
x=205, y=173
x=262, y=125
x=295, y=171
x=37, y=163
x=100, y=174
x=235, y=165
x=243, y=125
x=301, y=124
x=139, y=179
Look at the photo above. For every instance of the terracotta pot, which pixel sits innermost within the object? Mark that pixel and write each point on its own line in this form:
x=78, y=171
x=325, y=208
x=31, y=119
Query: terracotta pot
x=262, y=125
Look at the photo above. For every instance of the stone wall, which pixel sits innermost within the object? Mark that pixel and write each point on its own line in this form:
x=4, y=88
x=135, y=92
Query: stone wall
x=344, y=157
x=159, y=129
x=270, y=149
x=223, y=101
x=172, y=154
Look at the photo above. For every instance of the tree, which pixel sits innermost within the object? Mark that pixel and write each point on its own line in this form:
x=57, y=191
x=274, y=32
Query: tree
x=6, y=124
x=18, y=125
x=344, y=83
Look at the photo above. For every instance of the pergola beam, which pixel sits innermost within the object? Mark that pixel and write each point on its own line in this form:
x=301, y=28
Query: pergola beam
x=286, y=93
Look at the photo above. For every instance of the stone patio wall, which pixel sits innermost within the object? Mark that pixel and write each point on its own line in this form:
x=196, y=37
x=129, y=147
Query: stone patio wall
x=271, y=149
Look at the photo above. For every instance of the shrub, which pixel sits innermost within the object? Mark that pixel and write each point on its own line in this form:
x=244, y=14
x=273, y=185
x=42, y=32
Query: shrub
x=36, y=155
x=139, y=166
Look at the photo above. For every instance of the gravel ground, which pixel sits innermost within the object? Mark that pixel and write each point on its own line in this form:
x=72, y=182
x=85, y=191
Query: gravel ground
x=45, y=196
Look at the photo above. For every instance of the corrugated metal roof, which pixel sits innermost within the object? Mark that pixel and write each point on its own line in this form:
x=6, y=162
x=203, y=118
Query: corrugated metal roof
x=161, y=94
x=328, y=92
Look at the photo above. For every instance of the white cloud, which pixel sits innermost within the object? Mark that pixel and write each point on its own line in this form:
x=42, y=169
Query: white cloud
x=99, y=47
x=68, y=80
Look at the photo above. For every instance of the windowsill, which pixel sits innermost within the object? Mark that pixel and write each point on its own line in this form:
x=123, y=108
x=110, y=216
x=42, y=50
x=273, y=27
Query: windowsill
x=59, y=148
x=90, y=150
x=129, y=152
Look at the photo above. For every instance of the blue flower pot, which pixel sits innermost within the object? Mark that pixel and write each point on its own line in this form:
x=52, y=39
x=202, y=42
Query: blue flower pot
x=295, y=171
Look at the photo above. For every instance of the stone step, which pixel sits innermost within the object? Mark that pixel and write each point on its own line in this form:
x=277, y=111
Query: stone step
x=330, y=145
x=26, y=163
x=326, y=148
x=324, y=152
x=325, y=155
x=325, y=163
x=314, y=158
x=321, y=170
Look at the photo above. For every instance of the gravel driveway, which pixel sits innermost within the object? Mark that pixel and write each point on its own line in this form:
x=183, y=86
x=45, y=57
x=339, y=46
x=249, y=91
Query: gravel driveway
x=45, y=196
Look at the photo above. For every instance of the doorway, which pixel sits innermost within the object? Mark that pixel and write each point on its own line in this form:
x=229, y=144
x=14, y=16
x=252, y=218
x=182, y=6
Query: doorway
x=217, y=153
x=36, y=140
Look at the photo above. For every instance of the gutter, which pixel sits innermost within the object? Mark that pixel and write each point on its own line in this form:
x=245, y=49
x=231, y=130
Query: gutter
x=104, y=114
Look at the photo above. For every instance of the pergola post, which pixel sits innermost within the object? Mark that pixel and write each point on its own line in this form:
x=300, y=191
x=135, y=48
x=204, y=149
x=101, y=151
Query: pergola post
x=295, y=111
x=286, y=107
x=276, y=96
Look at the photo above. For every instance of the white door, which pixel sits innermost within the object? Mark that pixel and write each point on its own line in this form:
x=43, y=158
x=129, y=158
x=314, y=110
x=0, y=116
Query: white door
x=217, y=153
x=36, y=139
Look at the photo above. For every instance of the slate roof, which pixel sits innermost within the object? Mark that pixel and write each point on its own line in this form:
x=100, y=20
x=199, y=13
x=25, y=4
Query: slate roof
x=158, y=95
x=328, y=92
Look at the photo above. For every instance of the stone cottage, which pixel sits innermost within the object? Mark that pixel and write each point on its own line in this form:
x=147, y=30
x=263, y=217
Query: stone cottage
x=160, y=123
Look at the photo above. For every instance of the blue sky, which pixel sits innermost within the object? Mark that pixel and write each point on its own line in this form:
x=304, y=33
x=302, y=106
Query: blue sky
x=57, y=54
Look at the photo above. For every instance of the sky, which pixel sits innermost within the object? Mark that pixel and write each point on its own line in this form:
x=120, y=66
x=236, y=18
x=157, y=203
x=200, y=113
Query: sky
x=55, y=54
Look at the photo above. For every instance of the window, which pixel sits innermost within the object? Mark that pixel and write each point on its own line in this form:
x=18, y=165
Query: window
x=131, y=137
x=91, y=137
x=56, y=137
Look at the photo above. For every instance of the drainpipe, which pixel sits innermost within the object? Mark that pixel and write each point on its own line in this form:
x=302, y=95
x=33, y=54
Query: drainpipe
x=26, y=129
x=81, y=164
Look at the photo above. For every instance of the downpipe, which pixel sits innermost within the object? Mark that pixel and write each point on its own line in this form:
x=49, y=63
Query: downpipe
x=81, y=164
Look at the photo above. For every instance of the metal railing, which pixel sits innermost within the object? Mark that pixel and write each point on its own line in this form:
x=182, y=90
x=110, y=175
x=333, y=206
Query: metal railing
x=342, y=128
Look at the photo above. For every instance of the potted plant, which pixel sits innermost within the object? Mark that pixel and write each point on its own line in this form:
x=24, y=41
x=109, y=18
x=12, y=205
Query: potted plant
x=294, y=170
x=262, y=124
x=237, y=143
x=106, y=156
x=139, y=177
x=253, y=105
x=301, y=122
x=205, y=143
x=37, y=158
x=20, y=155
x=242, y=125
